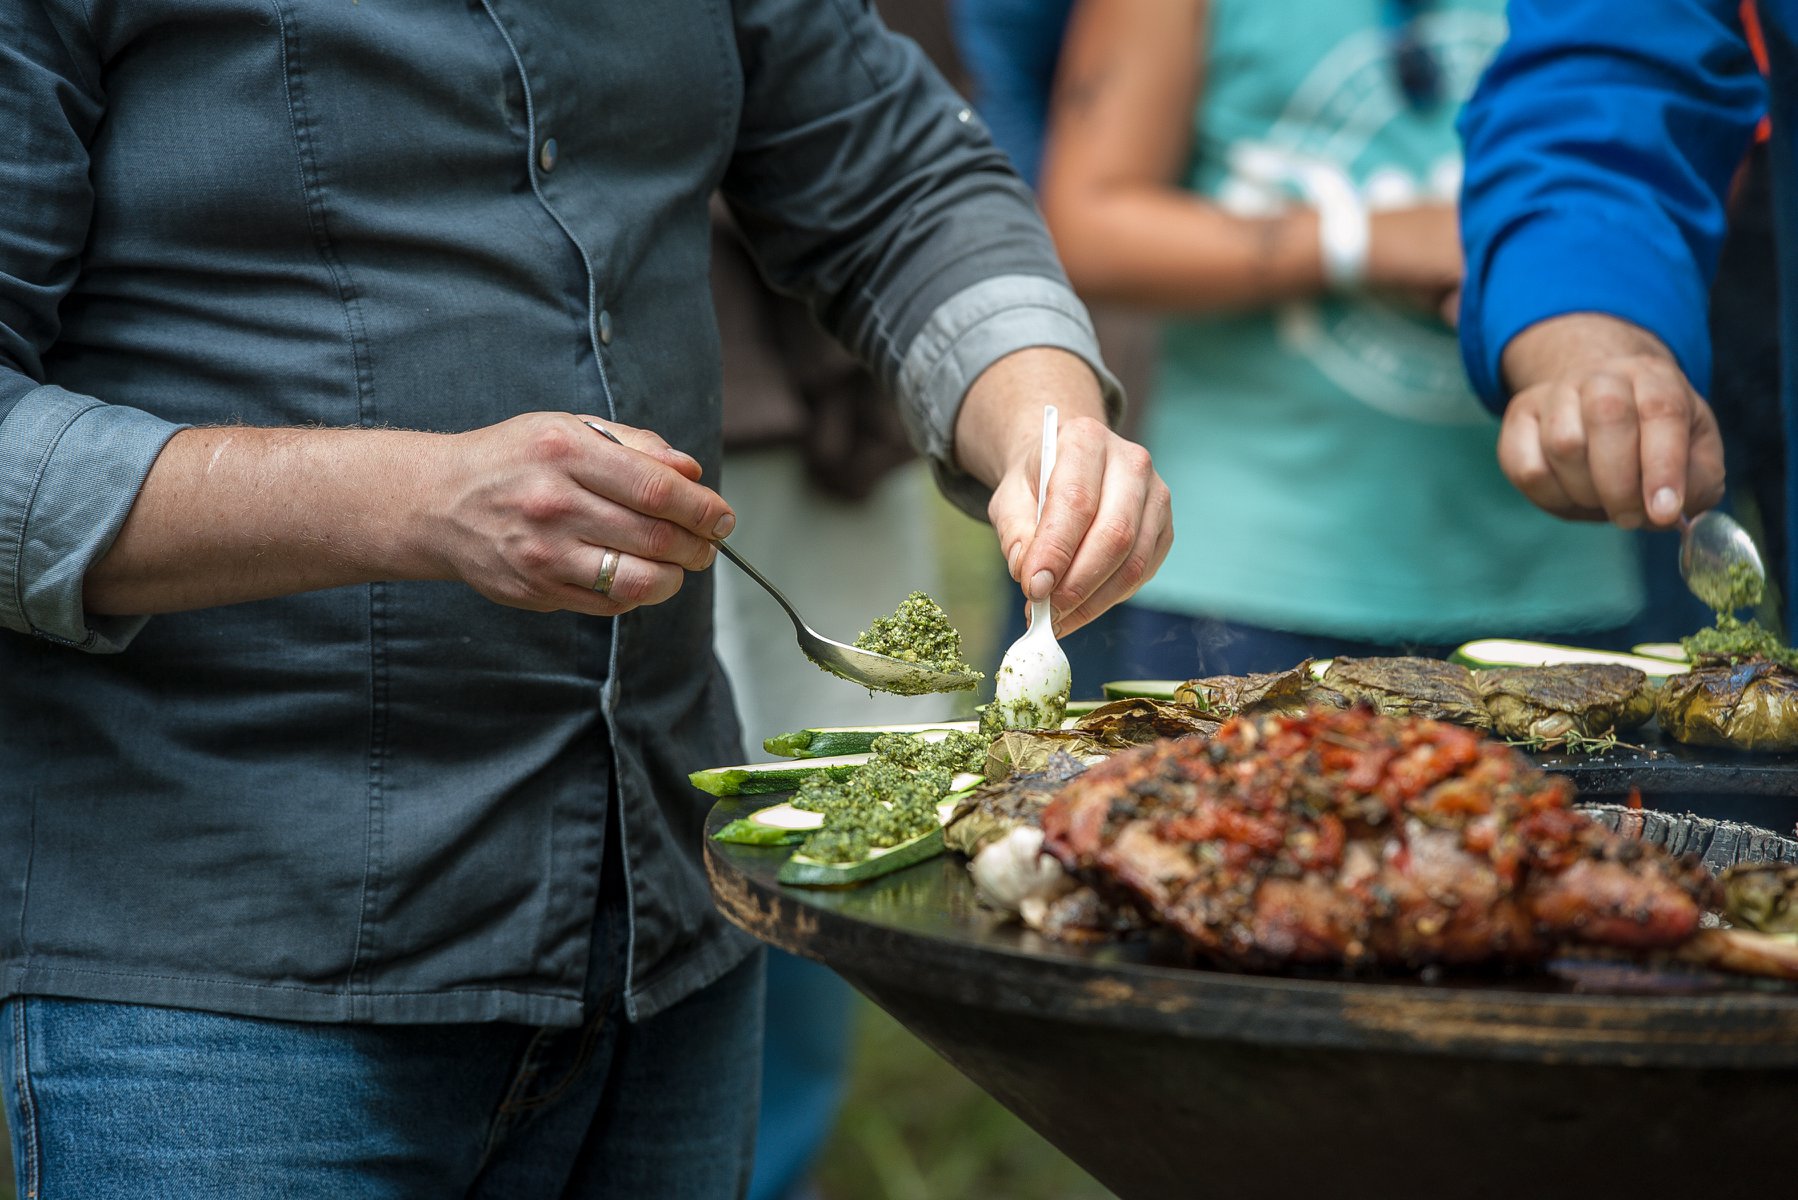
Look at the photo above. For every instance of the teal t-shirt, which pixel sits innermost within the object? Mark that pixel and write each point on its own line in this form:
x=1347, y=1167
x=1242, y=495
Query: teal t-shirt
x=1331, y=470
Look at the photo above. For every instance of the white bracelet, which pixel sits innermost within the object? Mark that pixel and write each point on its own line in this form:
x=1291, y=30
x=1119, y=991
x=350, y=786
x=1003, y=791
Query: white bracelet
x=1343, y=229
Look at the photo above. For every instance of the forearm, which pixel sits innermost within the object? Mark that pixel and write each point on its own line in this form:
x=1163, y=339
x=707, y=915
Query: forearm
x=1562, y=347
x=1162, y=249
x=1104, y=524
x=232, y=514
x=1000, y=422
x=532, y=512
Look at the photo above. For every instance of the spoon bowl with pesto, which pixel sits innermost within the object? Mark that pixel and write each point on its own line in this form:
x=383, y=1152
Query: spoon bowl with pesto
x=911, y=675
x=922, y=658
x=1719, y=562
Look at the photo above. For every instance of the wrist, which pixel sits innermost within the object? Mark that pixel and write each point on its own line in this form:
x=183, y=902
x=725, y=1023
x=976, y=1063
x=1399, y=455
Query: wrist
x=1574, y=343
x=999, y=424
x=415, y=534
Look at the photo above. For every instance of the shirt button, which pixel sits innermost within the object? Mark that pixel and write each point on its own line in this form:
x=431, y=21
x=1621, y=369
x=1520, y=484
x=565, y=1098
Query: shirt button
x=604, y=324
x=546, y=157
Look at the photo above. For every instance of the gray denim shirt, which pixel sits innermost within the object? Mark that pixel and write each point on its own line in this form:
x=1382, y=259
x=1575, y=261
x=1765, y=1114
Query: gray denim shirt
x=389, y=802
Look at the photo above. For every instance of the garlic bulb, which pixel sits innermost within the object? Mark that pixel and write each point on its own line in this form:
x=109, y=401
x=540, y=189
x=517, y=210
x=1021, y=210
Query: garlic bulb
x=1014, y=869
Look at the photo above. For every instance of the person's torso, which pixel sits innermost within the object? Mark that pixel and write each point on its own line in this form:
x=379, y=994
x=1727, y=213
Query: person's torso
x=382, y=801
x=1332, y=470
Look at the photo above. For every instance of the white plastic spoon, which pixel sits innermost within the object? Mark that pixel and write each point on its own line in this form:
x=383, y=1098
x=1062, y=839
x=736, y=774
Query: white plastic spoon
x=1031, y=689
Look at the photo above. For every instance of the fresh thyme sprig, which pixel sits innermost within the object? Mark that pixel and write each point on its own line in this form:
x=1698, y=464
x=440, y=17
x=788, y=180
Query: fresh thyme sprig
x=1575, y=743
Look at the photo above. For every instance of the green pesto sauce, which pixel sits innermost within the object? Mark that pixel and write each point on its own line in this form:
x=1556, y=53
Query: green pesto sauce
x=1021, y=714
x=889, y=800
x=957, y=752
x=918, y=633
x=1736, y=640
x=1745, y=586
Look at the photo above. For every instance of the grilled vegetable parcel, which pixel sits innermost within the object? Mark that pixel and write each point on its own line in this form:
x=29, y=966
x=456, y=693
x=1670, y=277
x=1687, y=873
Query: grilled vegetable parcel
x=1223, y=696
x=1423, y=687
x=1352, y=838
x=1555, y=705
x=1745, y=706
x=919, y=632
x=1742, y=690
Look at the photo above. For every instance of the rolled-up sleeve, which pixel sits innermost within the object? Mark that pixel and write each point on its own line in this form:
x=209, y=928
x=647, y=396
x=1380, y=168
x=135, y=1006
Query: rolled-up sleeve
x=867, y=186
x=967, y=334
x=70, y=465
x=1599, y=146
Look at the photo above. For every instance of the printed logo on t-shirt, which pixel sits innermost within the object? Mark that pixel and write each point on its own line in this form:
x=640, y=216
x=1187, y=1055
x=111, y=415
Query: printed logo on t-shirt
x=1385, y=353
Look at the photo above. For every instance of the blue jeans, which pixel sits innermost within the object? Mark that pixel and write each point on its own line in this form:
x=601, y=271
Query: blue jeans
x=118, y=1100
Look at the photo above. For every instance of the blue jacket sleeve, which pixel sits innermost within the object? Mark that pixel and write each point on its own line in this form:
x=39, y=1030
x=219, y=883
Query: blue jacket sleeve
x=1599, y=147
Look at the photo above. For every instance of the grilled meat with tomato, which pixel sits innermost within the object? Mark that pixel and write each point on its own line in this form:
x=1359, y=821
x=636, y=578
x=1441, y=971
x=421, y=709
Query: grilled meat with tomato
x=1421, y=687
x=1355, y=838
x=1551, y=704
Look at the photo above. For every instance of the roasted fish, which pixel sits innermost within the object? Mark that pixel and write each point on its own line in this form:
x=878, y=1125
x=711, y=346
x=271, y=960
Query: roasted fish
x=1551, y=704
x=1420, y=687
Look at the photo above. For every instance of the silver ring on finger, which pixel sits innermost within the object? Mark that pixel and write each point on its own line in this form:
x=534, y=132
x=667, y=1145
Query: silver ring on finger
x=608, y=572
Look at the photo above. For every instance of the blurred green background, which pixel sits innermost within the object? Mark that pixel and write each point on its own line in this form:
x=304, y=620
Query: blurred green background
x=913, y=1128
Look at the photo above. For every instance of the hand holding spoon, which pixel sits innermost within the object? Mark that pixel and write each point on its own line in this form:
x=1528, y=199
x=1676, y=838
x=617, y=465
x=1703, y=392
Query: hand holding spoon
x=878, y=671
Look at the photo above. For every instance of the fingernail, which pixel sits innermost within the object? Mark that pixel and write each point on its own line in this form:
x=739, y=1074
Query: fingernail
x=1665, y=504
x=1041, y=584
x=1011, y=560
x=725, y=524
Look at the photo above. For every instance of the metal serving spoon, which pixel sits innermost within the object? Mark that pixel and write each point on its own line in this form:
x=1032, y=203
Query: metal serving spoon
x=1031, y=688
x=1710, y=544
x=881, y=672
